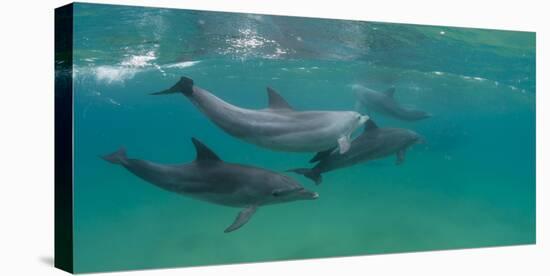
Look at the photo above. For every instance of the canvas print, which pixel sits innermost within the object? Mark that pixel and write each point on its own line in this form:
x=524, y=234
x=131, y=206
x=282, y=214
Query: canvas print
x=188, y=138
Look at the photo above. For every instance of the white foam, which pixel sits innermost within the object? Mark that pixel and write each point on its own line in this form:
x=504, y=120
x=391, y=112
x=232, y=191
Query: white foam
x=113, y=74
x=113, y=101
x=249, y=44
x=125, y=70
x=159, y=68
x=280, y=51
x=474, y=78
x=183, y=64
x=249, y=39
x=139, y=61
x=132, y=64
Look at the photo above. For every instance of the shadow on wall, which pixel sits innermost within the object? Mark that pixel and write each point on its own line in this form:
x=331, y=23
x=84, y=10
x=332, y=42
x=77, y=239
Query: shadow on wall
x=47, y=260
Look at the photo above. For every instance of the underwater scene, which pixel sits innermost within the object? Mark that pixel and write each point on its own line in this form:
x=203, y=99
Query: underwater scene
x=207, y=138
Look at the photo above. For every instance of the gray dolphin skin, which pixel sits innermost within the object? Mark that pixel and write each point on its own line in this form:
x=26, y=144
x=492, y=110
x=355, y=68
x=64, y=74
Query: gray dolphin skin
x=373, y=143
x=210, y=179
x=385, y=103
x=277, y=127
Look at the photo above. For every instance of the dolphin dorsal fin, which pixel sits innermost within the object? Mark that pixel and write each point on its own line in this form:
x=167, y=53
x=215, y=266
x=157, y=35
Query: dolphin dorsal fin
x=203, y=152
x=389, y=92
x=275, y=101
x=370, y=125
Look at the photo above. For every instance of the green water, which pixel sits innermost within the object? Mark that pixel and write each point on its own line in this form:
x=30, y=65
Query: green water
x=471, y=185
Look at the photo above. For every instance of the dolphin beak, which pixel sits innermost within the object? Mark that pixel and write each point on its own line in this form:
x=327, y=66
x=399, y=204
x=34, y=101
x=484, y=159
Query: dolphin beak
x=309, y=194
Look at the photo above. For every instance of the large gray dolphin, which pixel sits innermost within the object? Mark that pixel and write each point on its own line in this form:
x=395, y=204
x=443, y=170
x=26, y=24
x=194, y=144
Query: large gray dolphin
x=373, y=143
x=210, y=179
x=385, y=103
x=277, y=127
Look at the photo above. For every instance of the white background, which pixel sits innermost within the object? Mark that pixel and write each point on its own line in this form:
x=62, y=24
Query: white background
x=26, y=136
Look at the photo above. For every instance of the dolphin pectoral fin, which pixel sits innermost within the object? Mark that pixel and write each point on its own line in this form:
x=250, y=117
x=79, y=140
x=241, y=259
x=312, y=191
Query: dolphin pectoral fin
x=321, y=155
x=242, y=218
x=400, y=157
x=344, y=144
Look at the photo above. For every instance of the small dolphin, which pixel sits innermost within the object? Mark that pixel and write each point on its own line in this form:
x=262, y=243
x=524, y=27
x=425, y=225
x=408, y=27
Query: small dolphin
x=210, y=179
x=278, y=127
x=384, y=103
x=373, y=143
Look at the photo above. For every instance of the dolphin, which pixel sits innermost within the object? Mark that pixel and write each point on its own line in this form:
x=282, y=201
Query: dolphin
x=210, y=179
x=277, y=127
x=373, y=143
x=385, y=103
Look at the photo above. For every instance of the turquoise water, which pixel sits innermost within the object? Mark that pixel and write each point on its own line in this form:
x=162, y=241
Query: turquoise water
x=472, y=184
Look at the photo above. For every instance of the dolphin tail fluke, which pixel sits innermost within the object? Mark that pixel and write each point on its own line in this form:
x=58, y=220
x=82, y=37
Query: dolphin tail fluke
x=312, y=174
x=163, y=92
x=117, y=157
x=184, y=86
